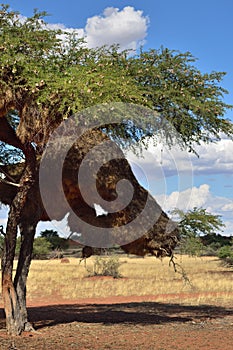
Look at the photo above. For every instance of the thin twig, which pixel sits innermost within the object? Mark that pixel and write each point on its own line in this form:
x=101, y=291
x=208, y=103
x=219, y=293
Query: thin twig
x=6, y=174
x=179, y=269
x=9, y=183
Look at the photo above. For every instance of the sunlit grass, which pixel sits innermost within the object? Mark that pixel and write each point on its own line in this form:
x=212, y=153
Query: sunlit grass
x=148, y=277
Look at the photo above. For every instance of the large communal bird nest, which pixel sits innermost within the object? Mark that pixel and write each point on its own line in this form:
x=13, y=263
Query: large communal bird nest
x=158, y=238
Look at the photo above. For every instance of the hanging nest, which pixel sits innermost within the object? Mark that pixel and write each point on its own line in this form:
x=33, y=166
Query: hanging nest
x=159, y=239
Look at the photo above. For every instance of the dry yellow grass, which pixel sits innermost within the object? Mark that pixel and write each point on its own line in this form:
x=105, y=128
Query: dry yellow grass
x=210, y=282
x=148, y=277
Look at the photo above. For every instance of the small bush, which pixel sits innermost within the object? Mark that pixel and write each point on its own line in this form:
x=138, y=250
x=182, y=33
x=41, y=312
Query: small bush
x=41, y=248
x=106, y=267
x=191, y=245
x=225, y=253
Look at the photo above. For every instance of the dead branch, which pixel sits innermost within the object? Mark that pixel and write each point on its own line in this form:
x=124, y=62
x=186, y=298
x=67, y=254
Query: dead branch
x=9, y=183
x=179, y=269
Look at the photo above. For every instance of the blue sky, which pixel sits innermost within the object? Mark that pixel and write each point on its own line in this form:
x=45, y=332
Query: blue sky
x=205, y=28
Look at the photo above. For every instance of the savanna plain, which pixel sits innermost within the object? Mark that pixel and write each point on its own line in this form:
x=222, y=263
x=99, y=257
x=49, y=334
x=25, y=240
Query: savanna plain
x=149, y=307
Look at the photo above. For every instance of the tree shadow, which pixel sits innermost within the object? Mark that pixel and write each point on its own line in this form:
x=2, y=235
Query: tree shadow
x=135, y=313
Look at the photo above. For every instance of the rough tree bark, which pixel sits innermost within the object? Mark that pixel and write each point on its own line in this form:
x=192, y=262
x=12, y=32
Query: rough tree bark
x=27, y=237
x=15, y=321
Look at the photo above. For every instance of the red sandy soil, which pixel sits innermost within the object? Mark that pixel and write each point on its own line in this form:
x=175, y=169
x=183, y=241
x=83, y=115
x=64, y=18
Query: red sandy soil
x=123, y=323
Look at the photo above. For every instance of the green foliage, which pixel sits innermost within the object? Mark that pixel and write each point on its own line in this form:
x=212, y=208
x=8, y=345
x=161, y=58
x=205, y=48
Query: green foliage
x=106, y=267
x=190, y=100
x=41, y=247
x=225, y=253
x=192, y=246
x=54, y=78
x=215, y=240
x=193, y=225
x=198, y=221
x=211, y=249
x=55, y=241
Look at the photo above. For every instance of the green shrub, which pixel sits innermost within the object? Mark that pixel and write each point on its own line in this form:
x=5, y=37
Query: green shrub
x=53, y=238
x=106, y=267
x=41, y=248
x=191, y=245
x=225, y=253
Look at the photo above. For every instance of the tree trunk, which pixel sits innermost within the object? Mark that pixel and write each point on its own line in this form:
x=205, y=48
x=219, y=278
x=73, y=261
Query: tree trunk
x=27, y=233
x=14, y=320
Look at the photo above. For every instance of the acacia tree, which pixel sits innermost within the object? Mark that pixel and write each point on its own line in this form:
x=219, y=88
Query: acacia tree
x=45, y=79
x=53, y=238
x=194, y=224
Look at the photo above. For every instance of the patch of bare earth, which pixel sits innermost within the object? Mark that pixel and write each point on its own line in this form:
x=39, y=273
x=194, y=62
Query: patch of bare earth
x=123, y=323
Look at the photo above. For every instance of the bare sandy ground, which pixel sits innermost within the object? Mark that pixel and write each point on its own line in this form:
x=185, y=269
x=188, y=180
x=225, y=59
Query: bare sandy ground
x=120, y=323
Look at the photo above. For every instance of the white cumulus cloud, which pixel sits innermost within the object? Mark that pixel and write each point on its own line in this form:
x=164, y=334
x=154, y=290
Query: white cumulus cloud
x=214, y=158
x=185, y=200
x=127, y=27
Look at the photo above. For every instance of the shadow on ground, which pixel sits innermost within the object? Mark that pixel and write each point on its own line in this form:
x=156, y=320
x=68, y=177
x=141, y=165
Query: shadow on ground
x=135, y=313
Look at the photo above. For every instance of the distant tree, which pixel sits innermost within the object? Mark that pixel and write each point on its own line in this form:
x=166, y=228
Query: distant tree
x=225, y=253
x=41, y=247
x=215, y=240
x=191, y=245
x=53, y=238
x=193, y=225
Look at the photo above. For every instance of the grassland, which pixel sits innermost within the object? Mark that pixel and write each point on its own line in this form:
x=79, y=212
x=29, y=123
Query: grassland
x=150, y=307
x=209, y=281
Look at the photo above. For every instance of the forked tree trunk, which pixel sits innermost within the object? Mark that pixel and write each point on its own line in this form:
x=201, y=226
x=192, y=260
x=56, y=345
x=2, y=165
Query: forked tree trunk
x=14, y=319
x=24, y=261
x=14, y=322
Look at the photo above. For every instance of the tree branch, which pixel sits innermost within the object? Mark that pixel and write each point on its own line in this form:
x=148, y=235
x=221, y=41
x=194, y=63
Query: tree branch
x=8, y=135
x=9, y=183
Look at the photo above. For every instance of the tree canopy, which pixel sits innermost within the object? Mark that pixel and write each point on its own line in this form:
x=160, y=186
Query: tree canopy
x=198, y=221
x=46, y=76
x=196, y=226
x=53, y=238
